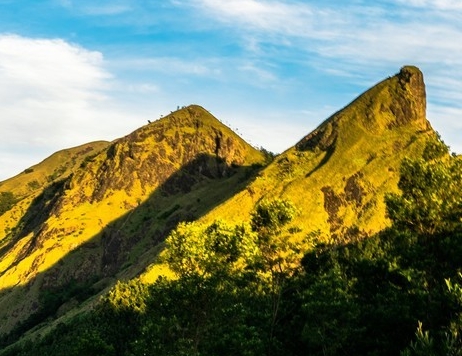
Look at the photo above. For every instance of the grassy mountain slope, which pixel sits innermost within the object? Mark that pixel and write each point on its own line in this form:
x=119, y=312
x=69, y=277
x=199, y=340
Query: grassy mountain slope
x=21, y=189
x=58, y=166
x=106, y=219
x=74, y=237
x=338, y=174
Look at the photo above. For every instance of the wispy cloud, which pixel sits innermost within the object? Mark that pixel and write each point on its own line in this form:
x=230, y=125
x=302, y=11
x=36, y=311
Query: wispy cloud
x=263, y=76
x=107, y=10
x=355, y=40
x=276, y=18
x=434, y=4
x=362, y=33
x=173, y=65
x=266, y=16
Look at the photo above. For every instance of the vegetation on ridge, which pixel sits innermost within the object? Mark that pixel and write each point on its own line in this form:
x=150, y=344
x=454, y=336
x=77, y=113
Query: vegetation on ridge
x=311, y=253
x=340, y=172
x=397, y=292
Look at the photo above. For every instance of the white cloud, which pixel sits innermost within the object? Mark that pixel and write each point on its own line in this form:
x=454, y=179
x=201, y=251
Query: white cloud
x=49, y=70
x=268, y=16
x=53, y=96
x=276, y=18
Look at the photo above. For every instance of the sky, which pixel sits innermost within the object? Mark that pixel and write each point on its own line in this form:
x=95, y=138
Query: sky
x=75, y=71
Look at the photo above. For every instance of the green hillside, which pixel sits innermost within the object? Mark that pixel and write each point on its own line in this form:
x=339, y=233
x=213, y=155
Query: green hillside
x=58, y=166
x=28, y=184
x=235, y=291
x=181, y=238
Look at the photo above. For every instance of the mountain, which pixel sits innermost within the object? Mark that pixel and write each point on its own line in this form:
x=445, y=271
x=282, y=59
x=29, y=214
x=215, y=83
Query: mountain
x=90, y=219
x=106, y=219
x=338, y=174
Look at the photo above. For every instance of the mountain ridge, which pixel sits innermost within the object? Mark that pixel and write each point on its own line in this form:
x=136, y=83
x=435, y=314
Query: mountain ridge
x=410, y=107
x=367, y=138
x=93, y=215
x=56, y=166
x=107, y=219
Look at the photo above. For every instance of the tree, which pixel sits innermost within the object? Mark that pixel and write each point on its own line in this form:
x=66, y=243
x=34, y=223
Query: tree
x=431, y=198
x=279, y=256
x=216, y=249
x=447, y=341
x=258, y=257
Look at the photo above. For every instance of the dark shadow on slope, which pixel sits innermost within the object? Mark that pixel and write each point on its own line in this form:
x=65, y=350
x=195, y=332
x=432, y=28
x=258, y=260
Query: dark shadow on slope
x=323, y=139
x=188, y=194
x=126, y=246
x=34, y=219
x=328, y=154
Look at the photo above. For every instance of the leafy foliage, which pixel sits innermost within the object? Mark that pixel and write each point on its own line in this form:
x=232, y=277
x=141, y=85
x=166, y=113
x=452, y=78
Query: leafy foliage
x=430, y=201
x=243, y=289
x=215, y=249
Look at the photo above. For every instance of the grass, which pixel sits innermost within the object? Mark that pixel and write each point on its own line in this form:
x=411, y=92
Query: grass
x=58, y=166
x=365, y=139
x=120, y=203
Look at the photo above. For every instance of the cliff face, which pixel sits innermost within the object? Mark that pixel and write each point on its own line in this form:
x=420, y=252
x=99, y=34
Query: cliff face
x=411, y=81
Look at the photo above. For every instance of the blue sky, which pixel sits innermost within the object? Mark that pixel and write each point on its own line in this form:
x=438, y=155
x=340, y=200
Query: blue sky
x=74, y=71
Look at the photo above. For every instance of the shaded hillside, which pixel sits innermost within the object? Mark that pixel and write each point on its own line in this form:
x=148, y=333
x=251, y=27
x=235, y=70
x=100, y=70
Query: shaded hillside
x=337, y=175
x=106, y=220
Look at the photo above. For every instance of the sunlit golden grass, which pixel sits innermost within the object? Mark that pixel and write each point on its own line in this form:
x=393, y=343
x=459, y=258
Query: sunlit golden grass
x=189, y=166
x=364, y=140
x=57, y=166
x=112, y=191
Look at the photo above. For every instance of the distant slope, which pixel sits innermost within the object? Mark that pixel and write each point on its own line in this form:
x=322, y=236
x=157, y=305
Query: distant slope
x=107, y=218
x=58, y=166
x=338, y=174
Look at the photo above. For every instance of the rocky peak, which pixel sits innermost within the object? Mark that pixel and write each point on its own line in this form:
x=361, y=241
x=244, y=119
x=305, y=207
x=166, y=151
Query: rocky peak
x=395, y=102
x=411, y=80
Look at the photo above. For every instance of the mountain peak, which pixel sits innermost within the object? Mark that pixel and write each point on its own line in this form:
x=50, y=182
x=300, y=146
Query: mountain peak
x=398, y=101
